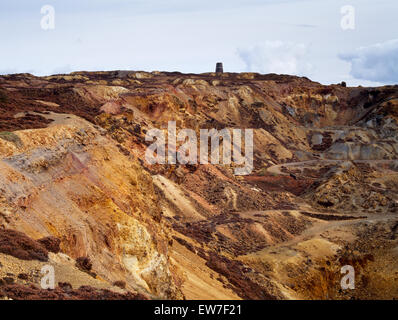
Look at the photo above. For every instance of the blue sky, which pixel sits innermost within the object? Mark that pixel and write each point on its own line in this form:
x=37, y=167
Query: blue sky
x=302, y=37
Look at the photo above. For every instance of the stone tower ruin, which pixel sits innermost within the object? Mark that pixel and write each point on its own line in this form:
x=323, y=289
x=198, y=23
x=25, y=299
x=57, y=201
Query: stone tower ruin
x=219, y=67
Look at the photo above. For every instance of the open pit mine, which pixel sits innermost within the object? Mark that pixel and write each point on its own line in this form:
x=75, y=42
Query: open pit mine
x=83, y=215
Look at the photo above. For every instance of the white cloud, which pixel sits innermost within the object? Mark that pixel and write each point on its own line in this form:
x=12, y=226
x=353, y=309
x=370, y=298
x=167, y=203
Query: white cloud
x=378, y=62
x=276, y=57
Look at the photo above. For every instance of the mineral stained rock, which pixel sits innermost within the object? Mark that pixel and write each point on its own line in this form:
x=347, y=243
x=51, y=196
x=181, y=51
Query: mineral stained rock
x=77, y=194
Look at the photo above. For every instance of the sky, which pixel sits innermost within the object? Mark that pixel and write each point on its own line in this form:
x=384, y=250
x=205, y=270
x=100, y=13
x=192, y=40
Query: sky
x=323, y=40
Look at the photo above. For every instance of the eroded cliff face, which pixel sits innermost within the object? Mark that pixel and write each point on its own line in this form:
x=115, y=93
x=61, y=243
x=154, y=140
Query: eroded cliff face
x=71, y=182
x=72, y=167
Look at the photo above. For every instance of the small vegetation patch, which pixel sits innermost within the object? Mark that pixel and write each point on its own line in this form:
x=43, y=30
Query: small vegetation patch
x=258, y=104
x=11, y=137
x=3, y=96
x=52, y=244
x=19, y=245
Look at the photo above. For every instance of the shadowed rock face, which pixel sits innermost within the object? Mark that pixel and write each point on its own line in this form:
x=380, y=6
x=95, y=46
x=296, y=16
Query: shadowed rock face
x=73, y=175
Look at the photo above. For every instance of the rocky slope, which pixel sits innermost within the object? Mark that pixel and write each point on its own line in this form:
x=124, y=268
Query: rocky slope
x=323, y=192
